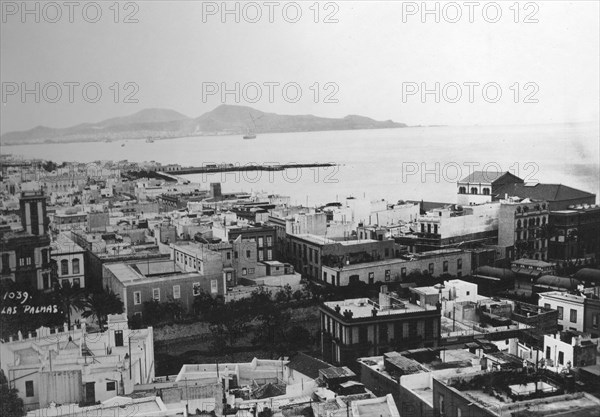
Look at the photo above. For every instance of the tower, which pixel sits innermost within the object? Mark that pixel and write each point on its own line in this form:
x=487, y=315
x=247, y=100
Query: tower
x=33, y=212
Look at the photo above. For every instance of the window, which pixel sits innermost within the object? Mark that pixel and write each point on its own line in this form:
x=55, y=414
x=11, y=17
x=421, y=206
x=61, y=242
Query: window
x=269, y=254
x=403, y=272
x=228, y=255
x=248, y=254
x=269, y=241
x=458, y=410
x=386, y=252
x=244, y=271
x=228, y=276
x=76, y=283
x=383, y=333
x=445, y=266
x=64, y=267
x=573, y=317
x=176, y=291
x=473, y=190
x=156, y=294
x=260, y=242
x=111, y=386
x=251, y=270
x=137, y=298
x=63, y=282
x=441, y=404
x=261, y=255
x=561, y=358
x=118, y=337
x=546, y=305
x=5, y=262
x=214, y=287
x=76, y=266
x=459, y=264
x=29, y=388
x=235, y=254
x=371, y=277
x=388, y=274
x=430, y=269
x=560, y=312
x=595, y=321
x=196, y=288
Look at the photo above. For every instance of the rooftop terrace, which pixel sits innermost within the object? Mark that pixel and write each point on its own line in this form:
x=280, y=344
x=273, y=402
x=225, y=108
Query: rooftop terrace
x=364, y=307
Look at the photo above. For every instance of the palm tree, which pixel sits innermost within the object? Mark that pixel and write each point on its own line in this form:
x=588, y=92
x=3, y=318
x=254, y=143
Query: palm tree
x=69, y=298
x=101, y=304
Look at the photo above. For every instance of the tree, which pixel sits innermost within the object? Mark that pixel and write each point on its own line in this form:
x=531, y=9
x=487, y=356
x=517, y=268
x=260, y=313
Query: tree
x=10, y=403
x=101, y=304
x=228, y=322
x=69, y=297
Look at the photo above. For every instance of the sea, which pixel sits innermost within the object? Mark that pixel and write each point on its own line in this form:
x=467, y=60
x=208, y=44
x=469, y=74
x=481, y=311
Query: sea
x=415, y=163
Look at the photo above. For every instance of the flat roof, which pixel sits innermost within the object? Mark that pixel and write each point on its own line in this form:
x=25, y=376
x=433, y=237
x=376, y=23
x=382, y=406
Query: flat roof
x=533, y=262
x=322, y=240
x=362, y=308
x=63, y=244
x=127, y=275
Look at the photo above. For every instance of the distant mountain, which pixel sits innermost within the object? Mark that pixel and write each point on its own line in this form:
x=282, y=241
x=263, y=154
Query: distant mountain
x=164, y=123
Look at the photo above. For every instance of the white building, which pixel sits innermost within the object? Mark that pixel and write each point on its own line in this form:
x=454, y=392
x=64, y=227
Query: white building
x=70, y=259
x=63, y=367
x=570, y=308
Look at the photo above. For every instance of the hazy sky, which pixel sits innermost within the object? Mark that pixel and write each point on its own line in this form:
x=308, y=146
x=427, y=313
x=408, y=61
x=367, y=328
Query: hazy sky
x=373, y=53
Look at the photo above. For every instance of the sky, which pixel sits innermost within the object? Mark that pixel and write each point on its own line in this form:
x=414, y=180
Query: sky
x=495, y=63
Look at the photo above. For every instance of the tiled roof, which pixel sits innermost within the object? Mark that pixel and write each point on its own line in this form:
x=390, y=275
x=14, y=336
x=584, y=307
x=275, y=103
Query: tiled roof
x=307, y=365
x=335, y=372
x=484, y=177
x=547, y=192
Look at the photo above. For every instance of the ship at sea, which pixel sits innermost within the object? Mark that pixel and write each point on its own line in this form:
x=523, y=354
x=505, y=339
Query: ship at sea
x=149, y=140
x=251, y=133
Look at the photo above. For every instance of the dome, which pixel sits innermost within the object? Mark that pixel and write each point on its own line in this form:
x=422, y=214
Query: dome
x=558, y=282
x=588, y=275
x=493, y=272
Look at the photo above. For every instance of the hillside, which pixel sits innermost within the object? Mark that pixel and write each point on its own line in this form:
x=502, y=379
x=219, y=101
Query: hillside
x=165, y=123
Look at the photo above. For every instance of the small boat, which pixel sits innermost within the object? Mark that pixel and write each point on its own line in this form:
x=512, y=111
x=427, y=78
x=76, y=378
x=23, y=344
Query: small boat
x=122, y=144
x=149, y=140
x=249, y=135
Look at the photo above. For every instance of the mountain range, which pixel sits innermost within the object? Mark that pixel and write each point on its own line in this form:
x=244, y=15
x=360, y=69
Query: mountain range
x=164, y=123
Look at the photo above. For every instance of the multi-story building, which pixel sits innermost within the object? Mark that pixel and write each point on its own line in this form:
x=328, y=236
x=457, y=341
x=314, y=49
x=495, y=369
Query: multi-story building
x=161, y=281
x=63, y=366
x=575, y=233
x=70, y=261
x=25, y=254
x=454, y=226
x=408, y=375
x=566, y=350
x=454, y=262
x=263, y=235
x=521, y=228
x=69, y=220
x=103, y=248
x=480, y=186
x=558, y=196
x=570, y=308
x=505, y=393
x=360, y=327
x=237, y=259
x=310, y=253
